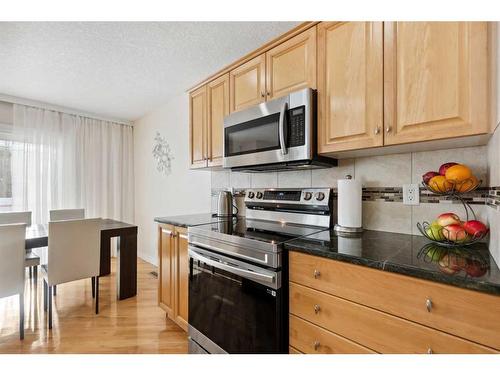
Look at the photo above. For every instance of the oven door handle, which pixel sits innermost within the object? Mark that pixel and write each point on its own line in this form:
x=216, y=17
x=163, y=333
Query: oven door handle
x=281, y=128
x=251, y=275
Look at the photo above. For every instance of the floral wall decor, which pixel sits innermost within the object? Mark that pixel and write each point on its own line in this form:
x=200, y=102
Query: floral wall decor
x=162, y=154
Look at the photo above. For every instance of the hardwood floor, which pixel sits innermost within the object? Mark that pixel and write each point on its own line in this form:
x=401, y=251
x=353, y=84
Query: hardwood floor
x=134, y=325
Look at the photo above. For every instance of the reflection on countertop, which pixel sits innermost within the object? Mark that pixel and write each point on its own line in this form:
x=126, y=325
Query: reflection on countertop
x=470, y=267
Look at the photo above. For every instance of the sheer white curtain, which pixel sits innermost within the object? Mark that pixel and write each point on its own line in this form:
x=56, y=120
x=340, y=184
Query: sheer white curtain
x=66, y=161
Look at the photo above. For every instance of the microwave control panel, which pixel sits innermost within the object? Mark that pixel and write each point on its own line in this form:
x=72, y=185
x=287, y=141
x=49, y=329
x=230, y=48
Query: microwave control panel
x=297, y=127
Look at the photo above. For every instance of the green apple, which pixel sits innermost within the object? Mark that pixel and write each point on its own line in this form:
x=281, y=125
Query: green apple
x=435, y=232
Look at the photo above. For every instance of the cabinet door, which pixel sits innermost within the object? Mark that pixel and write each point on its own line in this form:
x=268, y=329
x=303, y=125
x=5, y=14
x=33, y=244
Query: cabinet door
x=248, y=84
x=291, y=66
x=350, y=86
x=197, y=127
x=218, y=108
x=181, y=277
x=166, y=254
x=435, y=80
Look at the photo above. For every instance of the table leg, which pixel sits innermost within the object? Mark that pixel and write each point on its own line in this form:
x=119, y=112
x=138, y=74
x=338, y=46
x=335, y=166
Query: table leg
x=105, y=263
x=127, y=266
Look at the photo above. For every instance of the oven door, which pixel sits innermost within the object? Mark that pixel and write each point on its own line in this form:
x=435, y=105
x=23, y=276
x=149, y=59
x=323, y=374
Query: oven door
x=234, y=307
x=269, y=133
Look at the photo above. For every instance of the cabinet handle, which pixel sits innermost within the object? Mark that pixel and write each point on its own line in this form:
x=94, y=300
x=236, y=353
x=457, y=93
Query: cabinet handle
x=316, y=345
x=428, y=304
x=262, y=94
x=316, y=274
x=268, y=93
x=388, y=129
x=317, y=308
x=429, y=351
x=377, y=130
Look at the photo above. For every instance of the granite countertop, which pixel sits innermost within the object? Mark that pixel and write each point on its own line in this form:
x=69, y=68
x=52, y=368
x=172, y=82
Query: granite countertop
x=189, y=220
x=408, y=255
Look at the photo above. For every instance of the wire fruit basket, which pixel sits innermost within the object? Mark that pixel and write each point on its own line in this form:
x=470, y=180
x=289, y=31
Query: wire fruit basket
x=452, y=187
x=447, y=238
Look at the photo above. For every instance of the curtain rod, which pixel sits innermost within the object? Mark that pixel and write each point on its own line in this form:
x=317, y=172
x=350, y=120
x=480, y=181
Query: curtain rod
x=57, y=108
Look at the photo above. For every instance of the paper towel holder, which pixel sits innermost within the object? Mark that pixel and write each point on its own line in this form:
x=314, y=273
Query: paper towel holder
x=347, y=230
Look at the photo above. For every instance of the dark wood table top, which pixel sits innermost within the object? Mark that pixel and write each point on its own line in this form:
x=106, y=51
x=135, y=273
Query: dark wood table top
x=37, y=234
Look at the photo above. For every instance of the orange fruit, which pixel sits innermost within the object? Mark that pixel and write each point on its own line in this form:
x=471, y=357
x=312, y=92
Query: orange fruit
x=458, y=173
x=439, y=184
x=466, y=185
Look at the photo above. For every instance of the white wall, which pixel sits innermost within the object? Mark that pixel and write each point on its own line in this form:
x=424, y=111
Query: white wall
x=181, y=192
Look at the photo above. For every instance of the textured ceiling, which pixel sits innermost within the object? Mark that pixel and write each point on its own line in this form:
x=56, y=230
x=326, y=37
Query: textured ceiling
x=120, y=69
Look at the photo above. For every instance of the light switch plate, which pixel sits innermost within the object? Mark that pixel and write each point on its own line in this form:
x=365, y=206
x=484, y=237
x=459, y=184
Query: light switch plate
x=411, y=194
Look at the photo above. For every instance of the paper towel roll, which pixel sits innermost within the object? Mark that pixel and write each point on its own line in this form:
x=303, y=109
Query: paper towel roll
x=349, y=203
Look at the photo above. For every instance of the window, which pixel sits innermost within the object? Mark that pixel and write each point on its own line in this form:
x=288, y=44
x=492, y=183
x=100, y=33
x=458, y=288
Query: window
x=5, y=176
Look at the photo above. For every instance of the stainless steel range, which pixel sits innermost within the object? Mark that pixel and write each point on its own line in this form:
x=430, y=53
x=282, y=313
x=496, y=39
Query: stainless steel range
x=238, y=295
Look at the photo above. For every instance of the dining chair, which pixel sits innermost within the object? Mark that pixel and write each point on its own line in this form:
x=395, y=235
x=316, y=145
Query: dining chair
x=12, y=266
x=32, y=260
x=73, y=254
x=67, y=214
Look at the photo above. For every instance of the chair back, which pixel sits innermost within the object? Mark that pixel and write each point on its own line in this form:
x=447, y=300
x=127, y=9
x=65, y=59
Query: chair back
x=12, y=255
x=67, y=214
x=74, y=250
x=15, y=217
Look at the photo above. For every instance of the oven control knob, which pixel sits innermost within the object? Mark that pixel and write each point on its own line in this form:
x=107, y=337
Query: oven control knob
x=259, y=195
x=307, y=196
x=320, y=196
x=251, y=194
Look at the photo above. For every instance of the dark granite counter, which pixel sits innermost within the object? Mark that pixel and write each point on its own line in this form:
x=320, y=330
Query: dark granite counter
x=470, y=267
x=189, y=220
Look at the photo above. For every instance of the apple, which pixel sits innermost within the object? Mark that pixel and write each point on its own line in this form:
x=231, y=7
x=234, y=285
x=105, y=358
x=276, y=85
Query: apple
x=455, y=233
x=447, y=218
x=427, y=177
x=475, y=228
x=445, y=166
x=435, y=232
x=475, y=268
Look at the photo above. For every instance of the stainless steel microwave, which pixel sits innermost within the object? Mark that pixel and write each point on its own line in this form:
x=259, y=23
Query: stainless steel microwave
x=276, y=135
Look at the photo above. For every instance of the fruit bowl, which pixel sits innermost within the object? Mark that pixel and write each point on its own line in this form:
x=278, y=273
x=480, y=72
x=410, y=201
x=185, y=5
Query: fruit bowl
x=454, y=237
x=452, y=187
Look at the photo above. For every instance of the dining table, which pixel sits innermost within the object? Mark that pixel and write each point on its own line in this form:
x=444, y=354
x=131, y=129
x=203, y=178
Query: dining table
x=37, y=236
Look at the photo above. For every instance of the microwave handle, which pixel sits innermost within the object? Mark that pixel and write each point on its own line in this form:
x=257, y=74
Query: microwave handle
x=281, y=126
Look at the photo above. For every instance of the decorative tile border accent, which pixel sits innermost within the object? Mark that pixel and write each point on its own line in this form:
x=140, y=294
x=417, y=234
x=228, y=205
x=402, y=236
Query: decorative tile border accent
x=493, y=199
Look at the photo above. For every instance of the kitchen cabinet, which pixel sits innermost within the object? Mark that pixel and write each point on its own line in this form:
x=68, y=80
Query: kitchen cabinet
x=218, y=108
x=350, y=85
x=435, y=80
x=247, y=84
x=173, y=273
x=291, y=65
x=198, y=127
x=387, y=312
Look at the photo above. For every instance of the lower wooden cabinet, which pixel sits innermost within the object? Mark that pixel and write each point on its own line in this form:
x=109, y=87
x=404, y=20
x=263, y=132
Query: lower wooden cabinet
x=380, y=310
x=173, y=273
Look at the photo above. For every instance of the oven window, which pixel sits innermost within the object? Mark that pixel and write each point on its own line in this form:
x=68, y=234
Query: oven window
x=237, y=314
x=258, y=135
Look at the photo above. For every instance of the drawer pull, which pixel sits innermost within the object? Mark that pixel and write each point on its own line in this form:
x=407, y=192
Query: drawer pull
x=429, y=351
x=317, y=308
x=316, y=345
x=428, y=304
x=316, y=274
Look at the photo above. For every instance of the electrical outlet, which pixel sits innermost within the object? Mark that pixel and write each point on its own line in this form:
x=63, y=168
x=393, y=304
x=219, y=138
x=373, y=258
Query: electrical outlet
x=411, y=194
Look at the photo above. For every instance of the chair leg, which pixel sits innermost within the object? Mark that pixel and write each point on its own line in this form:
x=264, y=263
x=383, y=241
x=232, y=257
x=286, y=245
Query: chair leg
x=30, y=272
x=93, y=287
x=50, y=307
x=97, y=295
x=21, y=316
x=45, y=295
x=35, y=275
x=54, y=289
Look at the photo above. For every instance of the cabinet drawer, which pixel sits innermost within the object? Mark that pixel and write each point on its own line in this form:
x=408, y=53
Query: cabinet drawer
x=311, y=339
x=468, y=314
x=374, y=329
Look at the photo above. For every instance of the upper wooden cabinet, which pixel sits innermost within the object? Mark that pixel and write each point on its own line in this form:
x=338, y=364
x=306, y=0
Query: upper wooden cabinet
x=198, y=127
x=435, y=80
x=350, y=85
x=218, y=108
x=291, y=66
x=248, y=84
